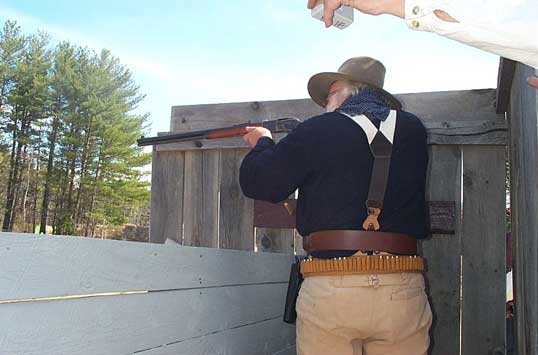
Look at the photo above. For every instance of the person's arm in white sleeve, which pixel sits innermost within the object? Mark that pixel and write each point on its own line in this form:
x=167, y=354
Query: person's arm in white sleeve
x=505, y=28
x=508, y=28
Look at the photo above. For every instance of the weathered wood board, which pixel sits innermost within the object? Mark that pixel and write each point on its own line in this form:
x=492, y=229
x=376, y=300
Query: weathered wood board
x=453, y=117
x=442, y=252
x=523, y=122
x=166, y=217
x=236, y=212
x=253, y=340
x=179, y=296
x=201, y=198
x=41, y=266
x=483, y=250
x=443, y=107
x=275, y=240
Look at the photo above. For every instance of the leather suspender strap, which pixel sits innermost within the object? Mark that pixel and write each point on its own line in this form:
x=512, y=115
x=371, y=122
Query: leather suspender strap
x=381, y=149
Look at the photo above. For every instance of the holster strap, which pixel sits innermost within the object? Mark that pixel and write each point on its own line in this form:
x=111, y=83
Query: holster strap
x=394, y=243
x=362, y=264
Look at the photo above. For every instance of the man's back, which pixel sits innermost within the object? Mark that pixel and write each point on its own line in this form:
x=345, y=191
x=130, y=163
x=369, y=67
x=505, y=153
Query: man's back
x=328, y=158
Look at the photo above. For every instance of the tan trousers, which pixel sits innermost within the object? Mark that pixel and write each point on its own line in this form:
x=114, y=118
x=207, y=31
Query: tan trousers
x=363, y=315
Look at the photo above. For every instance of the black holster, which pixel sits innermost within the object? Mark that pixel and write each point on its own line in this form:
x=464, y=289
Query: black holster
x=294, y=284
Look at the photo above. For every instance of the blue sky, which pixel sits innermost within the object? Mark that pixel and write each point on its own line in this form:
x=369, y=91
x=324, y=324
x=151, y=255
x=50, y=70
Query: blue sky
x=190, y=52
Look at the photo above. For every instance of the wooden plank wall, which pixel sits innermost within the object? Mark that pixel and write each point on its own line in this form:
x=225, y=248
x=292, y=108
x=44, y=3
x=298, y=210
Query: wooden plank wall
x=467, y=143
x=69, y=295
x=483, y=250
x=210, y=167
x=523, y=122
x=443, y=252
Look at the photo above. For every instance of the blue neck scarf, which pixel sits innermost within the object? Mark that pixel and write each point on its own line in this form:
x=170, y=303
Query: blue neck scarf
x=368, y=102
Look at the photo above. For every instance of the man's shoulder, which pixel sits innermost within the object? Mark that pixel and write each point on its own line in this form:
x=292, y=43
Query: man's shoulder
x=410, y=122
x=321, y=121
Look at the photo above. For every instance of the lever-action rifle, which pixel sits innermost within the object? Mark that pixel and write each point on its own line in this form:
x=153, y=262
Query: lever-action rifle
x=282, y=125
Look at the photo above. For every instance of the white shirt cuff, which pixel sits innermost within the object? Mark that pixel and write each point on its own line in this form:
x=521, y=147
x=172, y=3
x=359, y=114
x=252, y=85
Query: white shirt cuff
x=420, y=16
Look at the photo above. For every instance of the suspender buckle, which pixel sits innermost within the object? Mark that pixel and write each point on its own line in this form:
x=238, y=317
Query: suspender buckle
x=371, y=223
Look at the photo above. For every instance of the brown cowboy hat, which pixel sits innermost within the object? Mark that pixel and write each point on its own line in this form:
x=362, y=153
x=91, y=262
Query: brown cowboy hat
x=363, y=70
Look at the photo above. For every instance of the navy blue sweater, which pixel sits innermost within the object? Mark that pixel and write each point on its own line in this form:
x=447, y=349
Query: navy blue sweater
x=328, y=159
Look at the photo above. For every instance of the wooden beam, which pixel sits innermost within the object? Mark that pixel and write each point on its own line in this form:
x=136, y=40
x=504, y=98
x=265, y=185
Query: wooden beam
x=485, y=129
x=505, y=77
x=523, y=121
x=452, y=117
x=448, y=106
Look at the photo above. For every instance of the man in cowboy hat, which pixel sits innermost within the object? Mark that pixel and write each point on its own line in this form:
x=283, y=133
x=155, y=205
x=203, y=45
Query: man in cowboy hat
x=363, y=291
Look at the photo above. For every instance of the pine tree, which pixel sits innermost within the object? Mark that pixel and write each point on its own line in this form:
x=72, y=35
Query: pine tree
x=29, y=101
x=68, y=136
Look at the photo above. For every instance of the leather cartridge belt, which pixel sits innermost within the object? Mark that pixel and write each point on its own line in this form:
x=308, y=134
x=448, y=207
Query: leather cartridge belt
x=362, y=264
x=394, y=243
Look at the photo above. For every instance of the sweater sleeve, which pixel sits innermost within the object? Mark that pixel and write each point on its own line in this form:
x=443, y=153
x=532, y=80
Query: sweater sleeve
x=271, y=172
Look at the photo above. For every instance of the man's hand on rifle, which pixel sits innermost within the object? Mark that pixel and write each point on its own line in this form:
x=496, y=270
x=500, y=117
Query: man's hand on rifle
x=255, y=133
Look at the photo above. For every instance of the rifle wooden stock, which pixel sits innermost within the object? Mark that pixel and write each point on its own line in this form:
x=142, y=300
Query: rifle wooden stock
x=226, y=133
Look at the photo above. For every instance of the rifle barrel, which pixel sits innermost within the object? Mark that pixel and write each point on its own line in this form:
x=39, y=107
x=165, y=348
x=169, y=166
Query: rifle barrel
x=275, y=126
x=174, y=137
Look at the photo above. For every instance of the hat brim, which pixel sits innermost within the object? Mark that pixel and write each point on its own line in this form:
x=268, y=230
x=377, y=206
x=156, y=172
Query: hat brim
x=319, y=84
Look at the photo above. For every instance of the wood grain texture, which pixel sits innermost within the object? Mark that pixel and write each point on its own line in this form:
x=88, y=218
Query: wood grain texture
x=487, y=128
x=128, y=324
x=192, y=294
x=201, y=192
x=523, y=120
x=442, y=253
x=270, y=337
x=484, y=250
x=166, y=218
x=236, y=228
x=431, y=107
x=191, y=118
x=505, y=78
x=275, y=240
x=42, y=266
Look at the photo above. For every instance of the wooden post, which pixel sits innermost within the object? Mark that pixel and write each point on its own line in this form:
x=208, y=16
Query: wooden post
x=523, y=124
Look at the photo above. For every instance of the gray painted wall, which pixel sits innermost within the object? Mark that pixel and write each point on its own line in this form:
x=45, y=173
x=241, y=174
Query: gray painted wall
x=71, y=295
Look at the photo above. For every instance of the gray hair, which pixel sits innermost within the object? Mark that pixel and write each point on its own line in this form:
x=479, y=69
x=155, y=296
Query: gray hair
x=356, y=88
